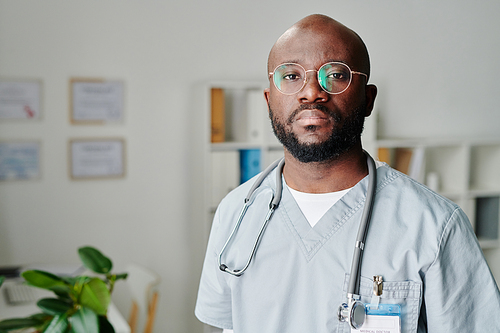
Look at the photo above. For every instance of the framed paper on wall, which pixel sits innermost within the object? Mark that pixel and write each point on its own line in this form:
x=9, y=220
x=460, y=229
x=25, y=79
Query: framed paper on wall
x=97, y=158
x=96, y=101
x=19, y=160
x=20, y=99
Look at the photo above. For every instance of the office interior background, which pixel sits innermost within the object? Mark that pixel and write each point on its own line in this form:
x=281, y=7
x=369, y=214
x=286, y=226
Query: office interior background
x=435, y=64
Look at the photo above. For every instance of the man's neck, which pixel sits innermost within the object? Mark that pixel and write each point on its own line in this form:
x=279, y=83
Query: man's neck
x=323, y=177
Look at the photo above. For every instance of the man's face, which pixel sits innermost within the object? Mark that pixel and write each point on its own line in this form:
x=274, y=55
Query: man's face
x=315, y=126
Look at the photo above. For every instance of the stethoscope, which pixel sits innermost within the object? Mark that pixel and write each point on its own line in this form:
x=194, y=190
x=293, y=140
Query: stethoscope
x=354, y=310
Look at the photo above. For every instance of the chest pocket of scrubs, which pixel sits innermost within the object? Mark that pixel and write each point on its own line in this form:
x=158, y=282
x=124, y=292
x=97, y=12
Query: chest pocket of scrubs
x=407, y=294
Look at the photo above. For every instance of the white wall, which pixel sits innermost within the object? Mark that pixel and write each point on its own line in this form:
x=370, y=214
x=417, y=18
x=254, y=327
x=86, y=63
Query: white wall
x=436, y=65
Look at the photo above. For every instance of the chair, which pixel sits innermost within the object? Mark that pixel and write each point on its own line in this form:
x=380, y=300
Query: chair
x=143, y=286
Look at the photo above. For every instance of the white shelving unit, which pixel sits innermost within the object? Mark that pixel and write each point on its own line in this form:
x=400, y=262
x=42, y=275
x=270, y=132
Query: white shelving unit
x=247, y=127
x=465, y=171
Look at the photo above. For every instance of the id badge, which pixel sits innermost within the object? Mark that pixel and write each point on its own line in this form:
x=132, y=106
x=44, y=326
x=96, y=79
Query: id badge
x=381, y=318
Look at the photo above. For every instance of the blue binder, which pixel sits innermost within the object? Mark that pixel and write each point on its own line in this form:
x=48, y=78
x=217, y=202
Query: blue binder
x=249, y=164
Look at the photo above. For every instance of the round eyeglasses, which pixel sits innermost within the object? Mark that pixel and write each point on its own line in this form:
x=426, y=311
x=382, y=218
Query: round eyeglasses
x=333, y=77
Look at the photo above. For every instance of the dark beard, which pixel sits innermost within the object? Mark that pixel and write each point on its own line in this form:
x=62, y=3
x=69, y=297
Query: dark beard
x=339, y=142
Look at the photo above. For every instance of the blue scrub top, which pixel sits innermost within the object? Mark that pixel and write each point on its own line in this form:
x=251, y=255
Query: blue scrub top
x=421, y=243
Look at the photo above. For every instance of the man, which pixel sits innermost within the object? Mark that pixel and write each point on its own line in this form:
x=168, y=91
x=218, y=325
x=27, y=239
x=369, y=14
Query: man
x=419, y=243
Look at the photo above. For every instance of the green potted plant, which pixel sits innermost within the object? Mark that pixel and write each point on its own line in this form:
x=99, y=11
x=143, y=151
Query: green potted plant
x=80, y=303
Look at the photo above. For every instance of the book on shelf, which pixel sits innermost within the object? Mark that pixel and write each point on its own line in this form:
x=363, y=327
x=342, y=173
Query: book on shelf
x=410, y=161
x=257, y=115
x=402, y=159
x=218, y=115
x=238, y=115
x=249, y=164
x=225, y=174
x=230, y=169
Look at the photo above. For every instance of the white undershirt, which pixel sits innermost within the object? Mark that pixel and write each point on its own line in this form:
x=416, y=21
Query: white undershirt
x=315, y=205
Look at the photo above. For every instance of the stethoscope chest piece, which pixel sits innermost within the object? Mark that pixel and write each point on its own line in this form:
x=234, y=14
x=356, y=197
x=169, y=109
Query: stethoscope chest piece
x=354, y=314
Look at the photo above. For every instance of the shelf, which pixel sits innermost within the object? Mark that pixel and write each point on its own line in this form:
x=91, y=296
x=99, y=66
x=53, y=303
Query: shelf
x=448, y=164
x=465, y=171
x=239, y=115
x=484, y=167
x=234, y=146
x=489, y=244
x=240, y=141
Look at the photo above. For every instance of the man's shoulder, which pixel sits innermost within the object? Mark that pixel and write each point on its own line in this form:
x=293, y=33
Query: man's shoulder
x=395, y=183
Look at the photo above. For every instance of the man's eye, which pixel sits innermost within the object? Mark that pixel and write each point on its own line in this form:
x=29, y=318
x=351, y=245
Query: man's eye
x=291, y=77
x=337, y=76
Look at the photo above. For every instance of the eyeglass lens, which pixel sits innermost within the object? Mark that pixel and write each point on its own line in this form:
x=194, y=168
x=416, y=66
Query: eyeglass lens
x=333, y=77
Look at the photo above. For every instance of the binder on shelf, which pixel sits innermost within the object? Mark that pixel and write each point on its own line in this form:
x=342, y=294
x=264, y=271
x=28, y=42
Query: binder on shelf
x=385, y=155
x=218, y=121
x=225, y=175
x=402, y=159
x=410, y=161
x=236, y=115
x=249, y=164
x=257, y=115
x=487, y=217
x=416, y=167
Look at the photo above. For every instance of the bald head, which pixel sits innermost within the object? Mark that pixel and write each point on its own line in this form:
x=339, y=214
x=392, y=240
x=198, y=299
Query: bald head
x=332, y=35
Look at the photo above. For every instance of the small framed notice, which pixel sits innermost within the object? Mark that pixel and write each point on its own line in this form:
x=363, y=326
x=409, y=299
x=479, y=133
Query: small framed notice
x=19, y=160
x=97, y=158
x=96, y=101
x=20, y=99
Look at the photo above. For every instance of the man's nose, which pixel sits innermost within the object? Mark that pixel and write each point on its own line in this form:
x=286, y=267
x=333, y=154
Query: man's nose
x=312, y=91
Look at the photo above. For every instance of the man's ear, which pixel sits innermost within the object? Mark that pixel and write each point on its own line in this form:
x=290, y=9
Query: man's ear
x=266, y=95
x=371, y=94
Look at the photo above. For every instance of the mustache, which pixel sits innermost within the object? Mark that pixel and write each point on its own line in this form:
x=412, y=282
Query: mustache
x=334, y=115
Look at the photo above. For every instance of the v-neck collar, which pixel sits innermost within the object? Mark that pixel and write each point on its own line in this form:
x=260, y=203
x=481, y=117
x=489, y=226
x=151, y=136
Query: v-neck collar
x=311, y=239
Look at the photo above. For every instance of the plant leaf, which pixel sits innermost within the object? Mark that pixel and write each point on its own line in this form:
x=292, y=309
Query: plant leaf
x=54, y=306
x=94, y=260
x=18, y=323
x=121, y=276
x=43, y=279
x=2, y=278
x=40, y=316
x=59, y=324
x=95, y=295
x=63, y=292
x=84, y=321
x=105, y=326
x=44, y=320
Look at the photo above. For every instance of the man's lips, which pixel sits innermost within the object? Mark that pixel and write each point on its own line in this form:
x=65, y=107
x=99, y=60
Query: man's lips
x=311, y=117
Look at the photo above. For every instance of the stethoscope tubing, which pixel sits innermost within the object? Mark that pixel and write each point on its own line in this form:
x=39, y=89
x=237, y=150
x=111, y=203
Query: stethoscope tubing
x=272, y=207
x=355, y=310
x=353, y=287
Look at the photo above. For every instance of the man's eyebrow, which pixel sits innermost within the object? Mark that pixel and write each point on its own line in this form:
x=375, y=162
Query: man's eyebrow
x=288, y=62
x=296, y=61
